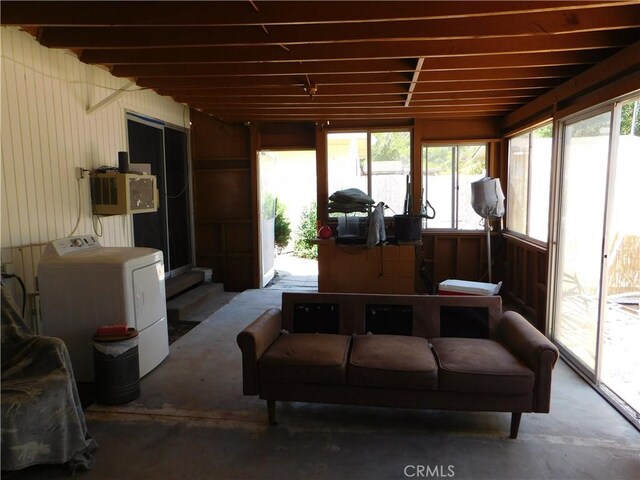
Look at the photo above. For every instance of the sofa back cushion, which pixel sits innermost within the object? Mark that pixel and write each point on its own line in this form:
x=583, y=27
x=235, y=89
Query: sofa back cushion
x=413, y=315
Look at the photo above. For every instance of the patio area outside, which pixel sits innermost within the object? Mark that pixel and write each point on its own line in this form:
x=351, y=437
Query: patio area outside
x=294, y=273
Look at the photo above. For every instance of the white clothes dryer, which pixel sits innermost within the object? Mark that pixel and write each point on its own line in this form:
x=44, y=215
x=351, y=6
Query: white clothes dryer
x=83, y=286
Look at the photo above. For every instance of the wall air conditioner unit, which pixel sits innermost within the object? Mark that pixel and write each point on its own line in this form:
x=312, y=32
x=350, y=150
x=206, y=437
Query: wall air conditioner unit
x=115, y=193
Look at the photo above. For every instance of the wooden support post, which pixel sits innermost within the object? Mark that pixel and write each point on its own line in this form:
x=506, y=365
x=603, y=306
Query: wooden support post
x=271, y=411
x=515, y=424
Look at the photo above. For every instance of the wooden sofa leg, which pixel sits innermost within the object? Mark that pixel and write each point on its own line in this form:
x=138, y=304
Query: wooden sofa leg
x=515, y=423
x=271, y=411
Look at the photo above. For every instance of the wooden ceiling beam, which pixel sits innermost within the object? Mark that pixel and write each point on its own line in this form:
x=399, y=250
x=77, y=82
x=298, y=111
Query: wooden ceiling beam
x=365, y=50
x=288, y=91
x=487, y=85
x=625, y=62
x=293, y=107
x=517, y=95
x=464, y=96
x=477, y=58
x=520, y=59
x=529, y=24
x=293, y=100
x=564, y=71
x=277, y=80
x=365, y=89
x=470, y=102
x=356, y=100
x=479, y=62
x=221, y=13
x=384, y=65
x=361, y=118
x=401, y=110
x=345, y=101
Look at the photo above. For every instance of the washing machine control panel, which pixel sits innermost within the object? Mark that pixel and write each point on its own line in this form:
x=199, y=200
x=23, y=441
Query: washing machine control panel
x=66, y=246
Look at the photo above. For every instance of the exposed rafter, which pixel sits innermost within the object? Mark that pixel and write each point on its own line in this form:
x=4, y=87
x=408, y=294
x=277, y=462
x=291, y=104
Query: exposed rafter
x=298, y=60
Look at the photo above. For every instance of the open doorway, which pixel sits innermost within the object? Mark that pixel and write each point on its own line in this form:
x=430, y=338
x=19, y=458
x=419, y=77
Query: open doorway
x=288, y=219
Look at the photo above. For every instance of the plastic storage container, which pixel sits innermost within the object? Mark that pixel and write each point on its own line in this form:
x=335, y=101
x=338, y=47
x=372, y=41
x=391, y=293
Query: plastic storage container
x=117, y=371
x=465, y=287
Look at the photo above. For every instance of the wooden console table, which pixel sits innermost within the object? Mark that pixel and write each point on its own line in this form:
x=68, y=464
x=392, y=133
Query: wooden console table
x=358, y=269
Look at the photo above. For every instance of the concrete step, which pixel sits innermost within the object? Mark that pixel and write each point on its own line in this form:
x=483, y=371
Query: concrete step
x=198, y=303
x=180, y=283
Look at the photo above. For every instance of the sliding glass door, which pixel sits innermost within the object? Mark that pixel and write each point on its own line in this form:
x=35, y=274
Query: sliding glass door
x=165, y=149
x=581, y=224
x=620, y=355
x=596, y=318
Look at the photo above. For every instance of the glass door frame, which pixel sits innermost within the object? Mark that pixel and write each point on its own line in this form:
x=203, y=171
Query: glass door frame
x=555, y=250
x=132, y=116
x=614, y=108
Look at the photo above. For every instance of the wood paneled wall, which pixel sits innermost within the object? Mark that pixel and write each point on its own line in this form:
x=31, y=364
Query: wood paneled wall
x=47, y=132
x=287, y=136
x=526, y=280
x=460, y=255
x=457, y=130
x=224, y=192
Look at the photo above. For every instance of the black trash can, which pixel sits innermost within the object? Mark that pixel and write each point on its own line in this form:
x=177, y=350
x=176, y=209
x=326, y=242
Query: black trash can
x=116, y=368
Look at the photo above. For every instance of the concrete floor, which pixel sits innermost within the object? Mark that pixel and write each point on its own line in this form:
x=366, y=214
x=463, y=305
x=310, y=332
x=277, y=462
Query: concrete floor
x=192, y=422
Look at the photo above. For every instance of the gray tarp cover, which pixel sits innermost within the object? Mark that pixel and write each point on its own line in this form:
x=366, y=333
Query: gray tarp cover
x=42, y=418
x=349, y=201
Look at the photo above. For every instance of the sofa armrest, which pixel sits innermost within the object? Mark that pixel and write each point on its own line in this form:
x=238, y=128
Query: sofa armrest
x=253, y=342
x=536, y=350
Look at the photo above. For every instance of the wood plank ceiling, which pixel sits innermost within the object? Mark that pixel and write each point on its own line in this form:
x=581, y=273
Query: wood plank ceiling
x=281, y=60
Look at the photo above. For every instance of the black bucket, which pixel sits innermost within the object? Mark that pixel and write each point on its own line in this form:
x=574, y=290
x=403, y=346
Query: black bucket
x=407, y=228
x=117, y=377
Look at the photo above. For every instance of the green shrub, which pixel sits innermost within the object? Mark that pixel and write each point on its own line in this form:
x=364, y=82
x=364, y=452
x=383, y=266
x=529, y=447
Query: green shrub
x=282, y=226
x=307, y=231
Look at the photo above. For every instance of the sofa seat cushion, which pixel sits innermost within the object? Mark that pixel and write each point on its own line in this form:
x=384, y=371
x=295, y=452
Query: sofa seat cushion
x=318, y=358
x=478, y=365
x=392, y=361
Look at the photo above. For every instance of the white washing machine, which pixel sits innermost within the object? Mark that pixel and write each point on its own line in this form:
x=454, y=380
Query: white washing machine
x=84, y=286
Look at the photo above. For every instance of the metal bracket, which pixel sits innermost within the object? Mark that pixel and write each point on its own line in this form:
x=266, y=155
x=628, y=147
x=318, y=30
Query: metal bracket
x=106, y=101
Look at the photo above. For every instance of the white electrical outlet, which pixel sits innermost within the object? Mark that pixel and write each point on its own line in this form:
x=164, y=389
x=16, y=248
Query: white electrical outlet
x=79, y=173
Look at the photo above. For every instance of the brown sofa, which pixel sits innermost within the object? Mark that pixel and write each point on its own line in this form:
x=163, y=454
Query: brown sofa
x=410, y=351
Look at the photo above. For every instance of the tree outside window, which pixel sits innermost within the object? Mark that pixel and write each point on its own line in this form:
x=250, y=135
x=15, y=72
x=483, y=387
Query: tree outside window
x=376, y=162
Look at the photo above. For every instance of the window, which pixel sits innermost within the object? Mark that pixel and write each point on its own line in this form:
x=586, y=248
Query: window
x=448, y=173
x=529, y=180
x=376, y=162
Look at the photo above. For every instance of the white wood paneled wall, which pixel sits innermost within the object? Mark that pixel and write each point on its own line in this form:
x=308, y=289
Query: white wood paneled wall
x=46, y=133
